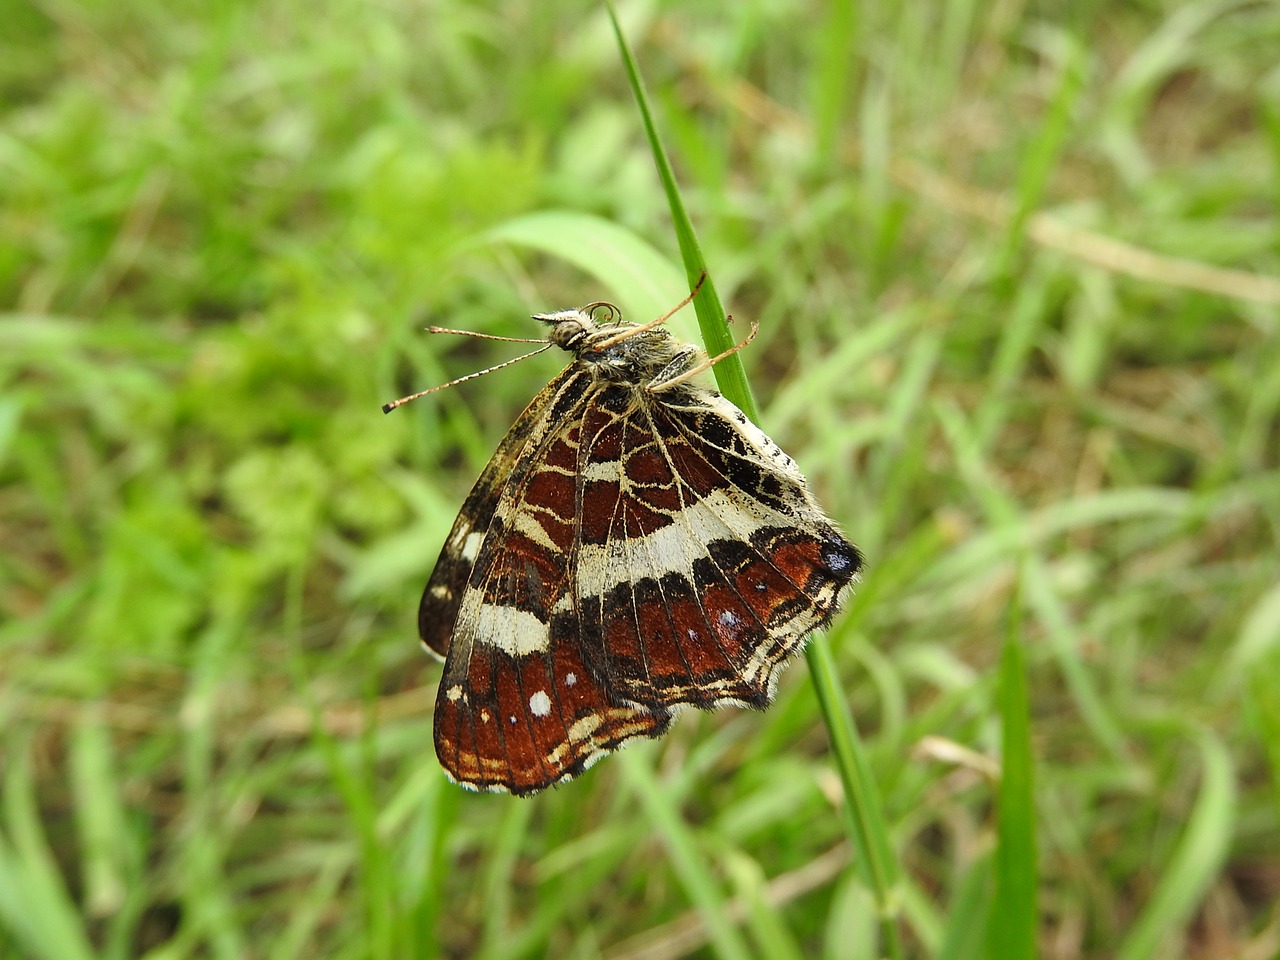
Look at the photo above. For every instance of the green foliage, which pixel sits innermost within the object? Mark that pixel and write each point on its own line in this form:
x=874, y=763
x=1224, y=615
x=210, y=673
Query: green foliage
x=1015, y=270
x=1013, y=918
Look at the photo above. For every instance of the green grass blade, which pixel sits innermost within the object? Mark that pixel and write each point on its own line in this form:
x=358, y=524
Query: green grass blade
x=1259, y=639
x=688, y=862
x=1017, y=342
x=643, y=279
x=840, y=39
x=1196, y=863
x=864, y=816
x=862, y=808
x=210, y=900
x=1045, y=150
x=764, y=920
x=730, y=376
x=349, y=770
x=102, y=820
x=34, y=903
x=1013, y=922
x=1264, y=703
x=970, y=913
x=1017, y=533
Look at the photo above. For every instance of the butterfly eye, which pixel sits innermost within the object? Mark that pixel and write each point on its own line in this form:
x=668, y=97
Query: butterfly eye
x=569, y=334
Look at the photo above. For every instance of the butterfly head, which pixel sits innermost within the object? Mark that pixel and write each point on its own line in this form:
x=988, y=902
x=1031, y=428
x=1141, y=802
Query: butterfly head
x=573, y=330
x=614, y=350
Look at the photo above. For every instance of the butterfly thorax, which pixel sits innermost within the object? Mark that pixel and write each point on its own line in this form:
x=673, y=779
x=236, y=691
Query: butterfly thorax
x=606, y=349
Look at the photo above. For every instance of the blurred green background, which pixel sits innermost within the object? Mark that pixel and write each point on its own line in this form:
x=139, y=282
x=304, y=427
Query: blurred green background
x=1015, y=266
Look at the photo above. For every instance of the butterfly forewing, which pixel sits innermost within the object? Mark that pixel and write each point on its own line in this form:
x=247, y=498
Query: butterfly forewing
x=438, y=609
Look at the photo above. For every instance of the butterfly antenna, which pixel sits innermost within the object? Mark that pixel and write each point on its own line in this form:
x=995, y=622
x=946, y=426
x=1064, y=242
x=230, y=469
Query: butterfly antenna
x=388, y=407
x=486, y=336
x=706, y=364
x=632, y=331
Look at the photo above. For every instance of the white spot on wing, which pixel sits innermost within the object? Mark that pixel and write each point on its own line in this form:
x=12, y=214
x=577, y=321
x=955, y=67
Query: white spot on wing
x=453, y=694
x=514, y=632
x=471, y=546
x=570, y=679
x=540, y=704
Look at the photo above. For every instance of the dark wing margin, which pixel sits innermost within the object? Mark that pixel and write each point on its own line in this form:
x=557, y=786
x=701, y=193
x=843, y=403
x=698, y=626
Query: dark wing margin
x=438, y=608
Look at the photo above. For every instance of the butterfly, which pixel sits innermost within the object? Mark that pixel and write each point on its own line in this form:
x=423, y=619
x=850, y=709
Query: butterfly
x=635, y=545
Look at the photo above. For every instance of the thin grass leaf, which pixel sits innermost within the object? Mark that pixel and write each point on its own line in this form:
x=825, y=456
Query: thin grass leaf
x=688, y=862
x=1012, y=934
x=1196, y=862
x=1017, y=339
x=1040, y=159
x=1014, y=527
x=352, y=779
x=34, y=904
x=1089, y=328
x=851, y=932
x=499, y=883
x=891, y=463
x=209, y=899
x=1007, y=541
x=101, y=819
x=1264, y=703
x=922, y=911
x=863, y=813
x=1259, y=639
x=730, y=376
x=793, y=402
x=307, y=915
x=840, y=37
x=427, y=808
x=969, y=914
x=640, y=276
x=355, y=786
x=1164, y=51
x=765, y=921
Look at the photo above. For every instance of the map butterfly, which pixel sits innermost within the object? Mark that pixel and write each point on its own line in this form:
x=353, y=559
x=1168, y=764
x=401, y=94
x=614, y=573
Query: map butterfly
x=635, y=545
